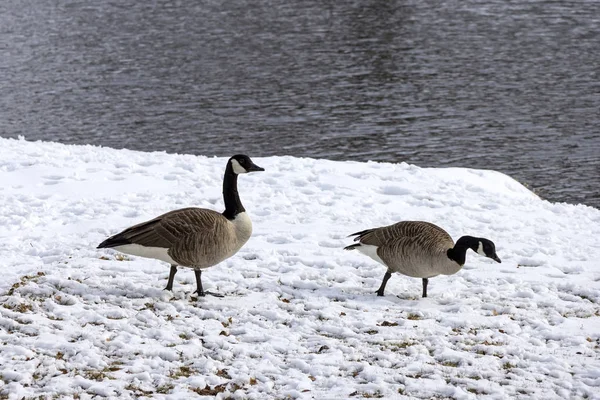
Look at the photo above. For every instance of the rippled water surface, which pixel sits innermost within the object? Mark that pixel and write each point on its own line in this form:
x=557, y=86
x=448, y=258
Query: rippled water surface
x=507, y=85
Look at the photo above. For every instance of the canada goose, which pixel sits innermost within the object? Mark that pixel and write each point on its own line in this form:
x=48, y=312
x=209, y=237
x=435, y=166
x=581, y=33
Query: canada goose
x=418, y=249
x=193, y=237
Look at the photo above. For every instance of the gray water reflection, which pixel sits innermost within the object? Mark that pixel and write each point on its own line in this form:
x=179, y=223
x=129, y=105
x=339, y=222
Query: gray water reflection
x=510, y=86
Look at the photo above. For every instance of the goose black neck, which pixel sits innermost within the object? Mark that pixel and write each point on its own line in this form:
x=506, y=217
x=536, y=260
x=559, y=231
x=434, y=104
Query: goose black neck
x=231, y=198
x=459, y=252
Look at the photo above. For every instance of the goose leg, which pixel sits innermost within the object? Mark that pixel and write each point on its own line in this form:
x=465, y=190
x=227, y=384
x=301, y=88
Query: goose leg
x=386, y=277
x=425, y=282
x=171, y=277
x=199, y=290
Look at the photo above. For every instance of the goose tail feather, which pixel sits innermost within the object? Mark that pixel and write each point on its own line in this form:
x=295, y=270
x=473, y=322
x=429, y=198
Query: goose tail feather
x=360, y=234
x=113, y=241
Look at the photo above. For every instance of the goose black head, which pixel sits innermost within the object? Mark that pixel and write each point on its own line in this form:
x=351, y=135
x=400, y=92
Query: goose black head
x=242, y=164
x=487, y=249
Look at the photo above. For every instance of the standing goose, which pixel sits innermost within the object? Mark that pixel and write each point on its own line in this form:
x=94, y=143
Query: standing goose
x=193, y=237
x=418, y=249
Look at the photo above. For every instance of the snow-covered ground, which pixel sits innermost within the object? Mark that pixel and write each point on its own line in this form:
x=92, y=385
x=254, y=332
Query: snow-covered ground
x=300, y=318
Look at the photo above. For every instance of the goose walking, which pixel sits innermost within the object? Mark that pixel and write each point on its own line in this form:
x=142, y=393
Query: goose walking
x=418, y=249
x=193, y=237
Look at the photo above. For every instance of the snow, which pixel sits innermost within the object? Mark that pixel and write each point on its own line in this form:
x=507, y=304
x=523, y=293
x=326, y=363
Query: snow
x=300, y=318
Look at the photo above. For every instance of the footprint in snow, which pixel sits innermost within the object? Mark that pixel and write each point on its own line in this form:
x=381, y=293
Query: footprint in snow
x=483, y=219
x=474, y=189
x=394, y=190
x=121, y=165
x=300, y=182
x=330, y=245
x=279, y=240
x=146, y=163
x=359, y=175
x=141, y=198
x=326, y=186
x=53, y=179
x=185, y=167
x=271, y=181
x=131, y=214
x=571, y=270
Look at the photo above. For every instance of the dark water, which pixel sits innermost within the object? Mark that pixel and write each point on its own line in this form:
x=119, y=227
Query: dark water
x=507, y=85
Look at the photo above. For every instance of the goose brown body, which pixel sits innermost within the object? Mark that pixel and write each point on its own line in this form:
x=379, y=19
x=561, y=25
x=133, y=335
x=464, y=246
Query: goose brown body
x=193, y=237
x=413, y=248
x=418, y=249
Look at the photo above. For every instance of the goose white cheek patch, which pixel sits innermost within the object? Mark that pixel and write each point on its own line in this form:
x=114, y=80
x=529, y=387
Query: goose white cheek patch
x=480, y=250
x=237, y=168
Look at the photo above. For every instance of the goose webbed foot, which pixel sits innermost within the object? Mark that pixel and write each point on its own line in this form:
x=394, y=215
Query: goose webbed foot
x=381, y=289
x=206, y=292
x=214, y=294
x=201, y=292
x=172, y=273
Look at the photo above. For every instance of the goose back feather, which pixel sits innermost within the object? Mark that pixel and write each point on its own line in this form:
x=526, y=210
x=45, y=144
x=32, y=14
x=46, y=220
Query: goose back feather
x=192, y=237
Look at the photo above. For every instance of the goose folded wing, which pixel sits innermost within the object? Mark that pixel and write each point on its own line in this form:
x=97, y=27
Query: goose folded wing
x=388, y=234
x=203, y=249
x=414, y=249
x=399, y=250
x=171, y=228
